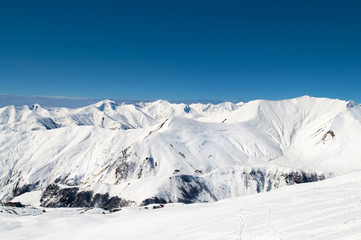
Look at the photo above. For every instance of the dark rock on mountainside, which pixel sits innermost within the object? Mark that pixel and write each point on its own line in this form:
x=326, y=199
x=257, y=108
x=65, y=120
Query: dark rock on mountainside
x=54, y=196
x=296, y=177
x=183, y=188
x=191, y=187
x=18, y=190
x=153, y=201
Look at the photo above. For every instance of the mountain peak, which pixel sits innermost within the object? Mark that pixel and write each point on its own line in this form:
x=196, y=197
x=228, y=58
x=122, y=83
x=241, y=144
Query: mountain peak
x=350, y=104
x=106, y=105
x=35, y=107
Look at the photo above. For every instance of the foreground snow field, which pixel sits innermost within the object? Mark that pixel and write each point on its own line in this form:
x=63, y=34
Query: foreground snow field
x=329, y=209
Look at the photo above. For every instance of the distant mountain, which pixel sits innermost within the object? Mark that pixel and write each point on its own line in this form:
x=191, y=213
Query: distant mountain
x=71, y=102
x=109, y=155
x=17, y=100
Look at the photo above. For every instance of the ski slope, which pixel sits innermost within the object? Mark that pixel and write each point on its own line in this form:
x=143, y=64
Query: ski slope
x=329, y=209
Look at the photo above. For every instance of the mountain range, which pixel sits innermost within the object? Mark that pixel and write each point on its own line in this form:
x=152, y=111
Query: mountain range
x=111, y=155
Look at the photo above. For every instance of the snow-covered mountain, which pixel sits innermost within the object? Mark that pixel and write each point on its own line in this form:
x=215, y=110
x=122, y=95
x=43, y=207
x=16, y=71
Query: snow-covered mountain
x=110, y=155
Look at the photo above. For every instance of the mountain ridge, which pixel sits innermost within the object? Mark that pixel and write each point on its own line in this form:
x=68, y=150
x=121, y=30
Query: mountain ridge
x=108, y=154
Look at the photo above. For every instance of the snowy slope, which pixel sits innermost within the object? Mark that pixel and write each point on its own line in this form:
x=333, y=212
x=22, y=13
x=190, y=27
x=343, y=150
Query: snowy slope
x=109, y=155
x=329, y=209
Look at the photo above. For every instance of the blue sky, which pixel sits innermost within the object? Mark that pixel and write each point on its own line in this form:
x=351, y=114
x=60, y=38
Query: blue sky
x=181, y=50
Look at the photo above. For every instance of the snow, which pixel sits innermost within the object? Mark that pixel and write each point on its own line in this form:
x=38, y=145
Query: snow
x=330, y=209
x=216, y=156
x=132, y=150
x=29, y=198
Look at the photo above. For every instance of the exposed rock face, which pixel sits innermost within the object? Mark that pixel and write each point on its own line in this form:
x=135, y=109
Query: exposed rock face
x=303, y=177
x=183, y=189
x=54, y=196
x=25, y=188
x=152, y=201
x=267, y=180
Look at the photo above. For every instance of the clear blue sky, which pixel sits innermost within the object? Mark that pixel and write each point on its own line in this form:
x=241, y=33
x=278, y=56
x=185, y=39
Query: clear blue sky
x=181, y=49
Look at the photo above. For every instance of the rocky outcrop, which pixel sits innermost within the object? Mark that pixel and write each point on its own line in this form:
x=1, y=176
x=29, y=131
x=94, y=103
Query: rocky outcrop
x=183, y=189
x=55, y=196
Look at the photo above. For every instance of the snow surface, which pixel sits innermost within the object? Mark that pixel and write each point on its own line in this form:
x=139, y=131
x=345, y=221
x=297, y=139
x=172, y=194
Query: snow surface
x=329, y=209
x=175, y=152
